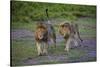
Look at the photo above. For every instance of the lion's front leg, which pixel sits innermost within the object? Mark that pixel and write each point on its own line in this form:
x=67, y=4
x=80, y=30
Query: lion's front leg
x=39, y=50
x=67, y=46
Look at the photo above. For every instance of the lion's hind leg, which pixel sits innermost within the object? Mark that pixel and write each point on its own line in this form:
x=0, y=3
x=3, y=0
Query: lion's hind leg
x=45, y=48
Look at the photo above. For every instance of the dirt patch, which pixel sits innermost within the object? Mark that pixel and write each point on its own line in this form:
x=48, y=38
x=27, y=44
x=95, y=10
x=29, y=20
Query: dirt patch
x=88, y=46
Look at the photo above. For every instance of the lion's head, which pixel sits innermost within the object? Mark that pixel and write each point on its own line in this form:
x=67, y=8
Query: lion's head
x=64, y=29
x=41, y=32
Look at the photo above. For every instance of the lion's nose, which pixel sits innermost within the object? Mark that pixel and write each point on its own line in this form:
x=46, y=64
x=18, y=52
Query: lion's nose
x=41, y=37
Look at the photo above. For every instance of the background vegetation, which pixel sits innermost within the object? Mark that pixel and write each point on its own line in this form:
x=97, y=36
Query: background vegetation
x=31, y=11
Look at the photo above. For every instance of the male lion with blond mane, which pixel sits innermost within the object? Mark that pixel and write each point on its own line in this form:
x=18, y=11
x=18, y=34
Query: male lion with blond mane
x=70, y=33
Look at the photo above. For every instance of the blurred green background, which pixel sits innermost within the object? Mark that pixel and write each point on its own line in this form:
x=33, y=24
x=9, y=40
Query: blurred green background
x=31, y=11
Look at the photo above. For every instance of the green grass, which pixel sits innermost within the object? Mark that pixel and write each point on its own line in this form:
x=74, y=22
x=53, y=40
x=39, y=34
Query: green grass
x=87, y=21
x=86, y=26
x=23, y=49
x=76, y=53
x=19, y=25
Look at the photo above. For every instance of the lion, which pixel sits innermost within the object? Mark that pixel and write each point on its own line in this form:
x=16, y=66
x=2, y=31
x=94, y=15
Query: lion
x=41, y=38
x=70, y=33
x=44, y=32
x=51, y=32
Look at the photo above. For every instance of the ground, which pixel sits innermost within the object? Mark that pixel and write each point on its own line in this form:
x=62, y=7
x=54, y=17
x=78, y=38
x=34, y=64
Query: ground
x=24, y=49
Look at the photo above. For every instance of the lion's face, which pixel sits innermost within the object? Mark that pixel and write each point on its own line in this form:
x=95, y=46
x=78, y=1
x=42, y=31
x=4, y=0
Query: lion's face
x=41, y=33
x=64, y=30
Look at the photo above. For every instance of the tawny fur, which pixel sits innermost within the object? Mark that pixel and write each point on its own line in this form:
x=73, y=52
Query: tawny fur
x=44, y=32
x=41, y=38
x=70, y=34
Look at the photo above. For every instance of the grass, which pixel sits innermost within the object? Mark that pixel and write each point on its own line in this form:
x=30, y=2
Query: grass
x=86, y=25
x=29, y=26
x=23, y=49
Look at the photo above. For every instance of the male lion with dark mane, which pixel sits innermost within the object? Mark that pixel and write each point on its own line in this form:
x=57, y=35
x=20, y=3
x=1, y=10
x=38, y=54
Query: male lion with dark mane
x=44, y=32
x=70, y=33
x=41, y=38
